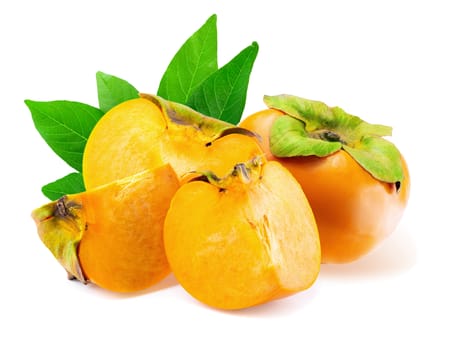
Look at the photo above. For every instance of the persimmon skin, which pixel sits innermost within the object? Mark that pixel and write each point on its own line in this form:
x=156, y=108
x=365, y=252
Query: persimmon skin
x=354, y=211
x=112, y=235
x=122, y=249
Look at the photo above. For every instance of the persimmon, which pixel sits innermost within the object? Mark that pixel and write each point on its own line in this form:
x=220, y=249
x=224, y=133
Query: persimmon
x=112, y=235
x=244, y=239
x=149, y=131
x=357, y=182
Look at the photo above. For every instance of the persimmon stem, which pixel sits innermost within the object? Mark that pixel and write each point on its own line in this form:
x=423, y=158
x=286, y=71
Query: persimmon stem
x=241, y=171
x=327, y=135
x=244, y=171
x=61, y=209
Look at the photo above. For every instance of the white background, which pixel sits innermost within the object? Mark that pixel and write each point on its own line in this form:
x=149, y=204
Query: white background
x=386, y=61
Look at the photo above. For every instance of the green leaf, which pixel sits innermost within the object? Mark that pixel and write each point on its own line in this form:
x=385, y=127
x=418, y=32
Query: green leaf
x=192, y=64
x=379, y=157
x=65, y=127
x=113, y=91
x=223, y=94
x=289, y=138
x=69, y=184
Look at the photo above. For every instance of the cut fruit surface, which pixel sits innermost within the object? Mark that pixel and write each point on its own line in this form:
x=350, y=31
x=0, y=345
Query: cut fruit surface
x=242, y=240
x=147, y=132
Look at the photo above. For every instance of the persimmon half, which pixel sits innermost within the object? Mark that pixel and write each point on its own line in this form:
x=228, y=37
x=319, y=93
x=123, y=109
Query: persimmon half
x=244, y=239
x=112, y=235
x=149, y=131
x=357, y=204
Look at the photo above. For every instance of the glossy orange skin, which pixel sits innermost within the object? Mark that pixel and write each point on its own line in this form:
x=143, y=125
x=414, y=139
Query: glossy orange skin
x=354, y=211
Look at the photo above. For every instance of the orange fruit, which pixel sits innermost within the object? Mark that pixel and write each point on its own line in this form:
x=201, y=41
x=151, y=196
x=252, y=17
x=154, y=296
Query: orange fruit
x=244, y=239
x=149, y=131
x=354, y=211
x=112, y=235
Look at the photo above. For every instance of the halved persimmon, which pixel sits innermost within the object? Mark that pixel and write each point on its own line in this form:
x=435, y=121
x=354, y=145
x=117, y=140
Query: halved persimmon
x=149, y=131
x=244, y=239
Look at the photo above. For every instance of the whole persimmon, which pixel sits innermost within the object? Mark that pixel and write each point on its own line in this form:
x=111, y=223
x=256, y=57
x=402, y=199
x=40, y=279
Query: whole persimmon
x=356, y=181
x=244, y=239
x=149, y=131
x=112, y=235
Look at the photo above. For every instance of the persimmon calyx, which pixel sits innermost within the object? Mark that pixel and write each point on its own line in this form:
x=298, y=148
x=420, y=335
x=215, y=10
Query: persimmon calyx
x=242, y=173
x=61, y=225
x=210, y=128
x=313, y=128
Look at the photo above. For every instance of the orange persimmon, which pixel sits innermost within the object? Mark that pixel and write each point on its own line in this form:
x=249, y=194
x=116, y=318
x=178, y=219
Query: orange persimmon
x=149, y=131
x=112, y=235
x=354, y=209
x=244, y=239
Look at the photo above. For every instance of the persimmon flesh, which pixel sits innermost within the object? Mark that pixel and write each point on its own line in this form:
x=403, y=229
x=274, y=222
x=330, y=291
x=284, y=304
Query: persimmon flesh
x=149, y=131
x=243, y=240
x=354, y=211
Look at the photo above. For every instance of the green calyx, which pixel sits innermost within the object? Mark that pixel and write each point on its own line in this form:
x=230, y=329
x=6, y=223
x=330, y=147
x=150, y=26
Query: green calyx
x=180, y=114
x=243, y=173
x=313, y=128
x=61, y=225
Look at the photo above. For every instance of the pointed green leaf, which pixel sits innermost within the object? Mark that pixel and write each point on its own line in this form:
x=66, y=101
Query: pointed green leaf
x=379, y=157
x=288, y=138
x=223, y=94
x=69, y=184
x=192, y=64
x=65, y=127
x=113, y=91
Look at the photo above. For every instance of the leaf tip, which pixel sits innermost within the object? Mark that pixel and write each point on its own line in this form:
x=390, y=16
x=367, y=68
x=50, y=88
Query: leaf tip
x=100, y=75
x=213, y=18
x=30, y=104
